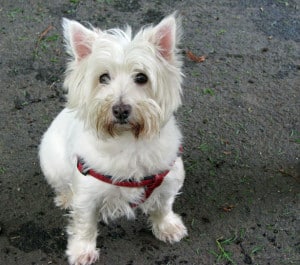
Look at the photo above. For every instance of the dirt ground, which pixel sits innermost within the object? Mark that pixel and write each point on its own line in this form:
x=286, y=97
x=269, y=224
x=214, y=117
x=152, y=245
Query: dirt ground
x=240, y=119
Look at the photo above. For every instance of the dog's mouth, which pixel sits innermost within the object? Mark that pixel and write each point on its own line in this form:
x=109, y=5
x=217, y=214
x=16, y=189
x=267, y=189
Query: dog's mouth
x=121, y=125
x=118, y=127
x=122, y=122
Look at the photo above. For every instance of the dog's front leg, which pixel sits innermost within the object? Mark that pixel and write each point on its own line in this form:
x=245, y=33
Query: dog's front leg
x=167, y=225
x=82, y=231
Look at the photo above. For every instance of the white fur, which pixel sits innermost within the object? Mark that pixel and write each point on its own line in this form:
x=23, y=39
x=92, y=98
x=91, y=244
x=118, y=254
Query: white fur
x=147, y=144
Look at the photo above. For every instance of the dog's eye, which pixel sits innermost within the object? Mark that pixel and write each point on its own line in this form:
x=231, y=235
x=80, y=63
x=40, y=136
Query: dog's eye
x=104, y=79
x=141, y=79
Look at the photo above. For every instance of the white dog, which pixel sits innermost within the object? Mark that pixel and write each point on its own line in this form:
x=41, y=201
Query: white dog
x=116, y=145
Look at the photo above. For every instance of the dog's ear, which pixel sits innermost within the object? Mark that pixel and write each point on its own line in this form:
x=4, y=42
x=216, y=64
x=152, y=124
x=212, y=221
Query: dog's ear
x=79, y=39
x=166, y=36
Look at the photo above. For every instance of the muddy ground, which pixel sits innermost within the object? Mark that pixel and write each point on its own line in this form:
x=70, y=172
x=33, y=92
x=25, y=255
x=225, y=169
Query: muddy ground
x=240, y=119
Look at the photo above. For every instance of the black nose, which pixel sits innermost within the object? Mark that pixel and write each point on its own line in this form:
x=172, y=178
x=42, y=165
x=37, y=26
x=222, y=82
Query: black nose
x=121, y=112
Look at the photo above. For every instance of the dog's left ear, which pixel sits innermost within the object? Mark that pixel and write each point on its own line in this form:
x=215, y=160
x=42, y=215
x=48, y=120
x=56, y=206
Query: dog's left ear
x=166, y=36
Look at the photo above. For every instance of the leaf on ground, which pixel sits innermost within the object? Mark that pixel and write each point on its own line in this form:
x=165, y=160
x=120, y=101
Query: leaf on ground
x=228, y=208
x=45, y=32
x=195, y=58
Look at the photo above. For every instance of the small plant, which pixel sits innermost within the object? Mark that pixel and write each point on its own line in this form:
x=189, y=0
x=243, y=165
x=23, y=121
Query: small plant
x=222, y=253
x=14, y=13
x=105, y=1
x=295, y=136
x=256, y=249
x=2, y=170
x=221, y=32
x=208, y=91
x=53, y=37
x=204, y=147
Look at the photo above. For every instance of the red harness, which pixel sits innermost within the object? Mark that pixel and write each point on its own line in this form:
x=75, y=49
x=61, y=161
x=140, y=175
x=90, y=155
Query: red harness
x=149, y=183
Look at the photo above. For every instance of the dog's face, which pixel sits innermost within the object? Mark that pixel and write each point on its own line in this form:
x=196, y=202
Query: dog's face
x=122, y=84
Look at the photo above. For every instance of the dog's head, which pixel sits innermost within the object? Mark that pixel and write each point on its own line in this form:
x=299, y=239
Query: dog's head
x=118, y=83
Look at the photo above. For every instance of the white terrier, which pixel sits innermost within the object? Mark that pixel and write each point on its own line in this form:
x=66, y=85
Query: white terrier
x=116, y=145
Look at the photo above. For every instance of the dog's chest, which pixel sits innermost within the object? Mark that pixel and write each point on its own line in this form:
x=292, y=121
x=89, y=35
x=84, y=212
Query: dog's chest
x=127, y=163
x=122, y=166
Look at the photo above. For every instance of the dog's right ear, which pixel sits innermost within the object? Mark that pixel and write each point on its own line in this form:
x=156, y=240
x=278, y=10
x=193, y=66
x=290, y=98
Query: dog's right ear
x=79, y=40
x=166, y=35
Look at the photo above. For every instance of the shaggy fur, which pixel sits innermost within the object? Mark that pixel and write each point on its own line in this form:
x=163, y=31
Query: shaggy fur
x=140, y=139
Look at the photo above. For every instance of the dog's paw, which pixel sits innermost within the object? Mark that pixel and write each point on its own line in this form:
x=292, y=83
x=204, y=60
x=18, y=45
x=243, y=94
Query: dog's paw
x=85, y=258
x=82, y=254
x=169, y=229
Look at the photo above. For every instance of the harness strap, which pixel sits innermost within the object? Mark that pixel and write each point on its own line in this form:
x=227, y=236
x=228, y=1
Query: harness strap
x=149, y=183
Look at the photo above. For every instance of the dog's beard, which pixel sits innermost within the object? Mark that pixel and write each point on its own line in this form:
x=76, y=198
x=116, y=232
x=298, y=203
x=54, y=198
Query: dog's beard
x=144, y=121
